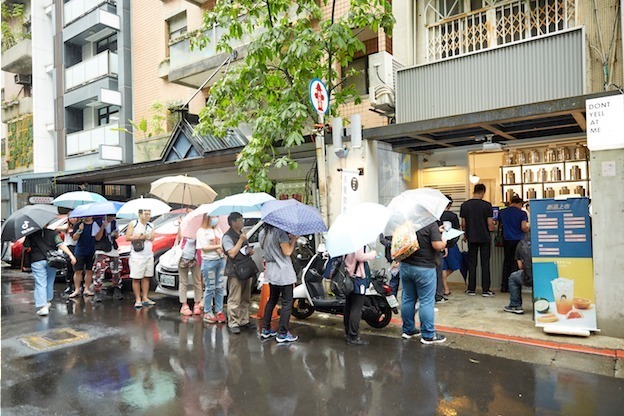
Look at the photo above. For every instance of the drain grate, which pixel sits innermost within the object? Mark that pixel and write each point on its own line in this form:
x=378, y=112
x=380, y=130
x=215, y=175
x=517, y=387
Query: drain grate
x=54, y=338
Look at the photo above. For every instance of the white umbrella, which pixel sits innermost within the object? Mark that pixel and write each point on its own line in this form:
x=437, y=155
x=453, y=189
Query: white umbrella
x=358, y=226
x=419, y=207
x=131, y=208
x=77, y=198
x=244, y=202
x=182, y=189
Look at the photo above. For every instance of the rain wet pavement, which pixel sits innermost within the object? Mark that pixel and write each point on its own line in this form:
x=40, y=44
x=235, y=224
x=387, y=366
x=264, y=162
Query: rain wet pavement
x=153, y=362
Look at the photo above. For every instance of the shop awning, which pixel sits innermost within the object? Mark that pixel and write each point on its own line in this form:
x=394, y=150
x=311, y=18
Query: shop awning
x=549, y=120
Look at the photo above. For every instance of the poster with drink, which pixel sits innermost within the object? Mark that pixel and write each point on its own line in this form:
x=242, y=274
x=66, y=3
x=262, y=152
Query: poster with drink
x=563, y=273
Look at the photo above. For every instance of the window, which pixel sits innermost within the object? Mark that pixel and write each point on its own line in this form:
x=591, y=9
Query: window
x=107, y=44
x=104, y=115
x=361, y=78
x=176, y=26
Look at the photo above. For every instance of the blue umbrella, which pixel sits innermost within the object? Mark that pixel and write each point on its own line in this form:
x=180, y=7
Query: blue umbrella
x=96, y=209
x=293, y=217
x=76, y=198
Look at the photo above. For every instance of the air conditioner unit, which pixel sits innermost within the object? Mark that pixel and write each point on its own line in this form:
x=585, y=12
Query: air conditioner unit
x=382, y=69
x=23, y=79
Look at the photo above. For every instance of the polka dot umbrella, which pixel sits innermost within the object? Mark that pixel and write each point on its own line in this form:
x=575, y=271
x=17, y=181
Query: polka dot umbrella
x=293, y=217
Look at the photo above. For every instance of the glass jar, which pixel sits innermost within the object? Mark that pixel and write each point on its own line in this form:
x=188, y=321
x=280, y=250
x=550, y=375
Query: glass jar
x=520, y=157
x=534, y=156
x=550, y=155
x=563, y=153
x=580, y=152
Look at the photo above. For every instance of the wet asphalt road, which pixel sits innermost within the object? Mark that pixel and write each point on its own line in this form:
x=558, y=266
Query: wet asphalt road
x=152, y=362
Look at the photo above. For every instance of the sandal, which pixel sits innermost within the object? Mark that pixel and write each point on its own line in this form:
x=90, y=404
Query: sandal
x=149, y=302
x=87, y=293
x=198, y=310
x=185, y=310
x=75, y=294
x=138, y=305
x=447, y=293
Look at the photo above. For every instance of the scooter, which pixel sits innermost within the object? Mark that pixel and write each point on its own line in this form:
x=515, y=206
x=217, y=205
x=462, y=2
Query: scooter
x=311, y=295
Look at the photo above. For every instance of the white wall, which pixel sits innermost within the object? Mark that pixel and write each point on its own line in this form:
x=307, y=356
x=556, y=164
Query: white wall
x=44, y=146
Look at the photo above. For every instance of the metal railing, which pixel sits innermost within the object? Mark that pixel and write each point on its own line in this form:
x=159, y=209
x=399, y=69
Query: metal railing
x=74, y=9
x=89, y=141
x=498, y=25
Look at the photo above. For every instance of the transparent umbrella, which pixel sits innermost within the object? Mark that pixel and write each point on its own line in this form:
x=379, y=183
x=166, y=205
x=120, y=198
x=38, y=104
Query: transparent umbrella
x=358, y=226
x=419, y=207
x=131, y=208
x=77, y=198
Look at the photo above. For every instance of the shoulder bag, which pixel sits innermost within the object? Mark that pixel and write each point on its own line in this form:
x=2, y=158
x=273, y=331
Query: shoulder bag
x=54, y=258
x=245, y=268
x=341, y=283
x=139, y=245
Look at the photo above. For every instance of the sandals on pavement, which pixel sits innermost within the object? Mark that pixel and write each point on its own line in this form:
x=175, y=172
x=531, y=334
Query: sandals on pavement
x=75, y=294
x=138, y=305
x=87, y=293
x=198, y=310
x=149, y=302
x=185, y=310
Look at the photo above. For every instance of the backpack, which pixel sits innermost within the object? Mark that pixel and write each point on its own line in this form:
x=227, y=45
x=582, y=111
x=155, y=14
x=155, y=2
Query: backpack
x=341, y=282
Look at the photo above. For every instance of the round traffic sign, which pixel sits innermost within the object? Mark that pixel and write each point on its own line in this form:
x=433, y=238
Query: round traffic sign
x=319, y=96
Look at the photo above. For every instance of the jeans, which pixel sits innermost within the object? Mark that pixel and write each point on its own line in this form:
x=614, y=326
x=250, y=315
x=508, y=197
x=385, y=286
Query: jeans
x=515, y=288
x=418, y=283
x=286, y=292
x=484, y=249
x=394, y=283
x=510, y=264
x=214, y=283
x=44, y=282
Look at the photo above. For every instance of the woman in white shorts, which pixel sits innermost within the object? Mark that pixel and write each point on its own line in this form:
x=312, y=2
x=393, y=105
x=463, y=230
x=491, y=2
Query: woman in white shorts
x=141, y=262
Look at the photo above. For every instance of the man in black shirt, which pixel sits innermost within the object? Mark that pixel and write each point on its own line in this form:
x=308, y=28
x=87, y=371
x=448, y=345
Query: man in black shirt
x=418, y=277
x=477, y=221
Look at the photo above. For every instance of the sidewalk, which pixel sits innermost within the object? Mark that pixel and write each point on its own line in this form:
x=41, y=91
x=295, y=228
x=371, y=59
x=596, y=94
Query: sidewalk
x=484, y=317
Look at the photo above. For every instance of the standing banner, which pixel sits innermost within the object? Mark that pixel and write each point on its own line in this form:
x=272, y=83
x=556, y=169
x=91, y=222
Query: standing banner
x=563, y=272
x=350, y=188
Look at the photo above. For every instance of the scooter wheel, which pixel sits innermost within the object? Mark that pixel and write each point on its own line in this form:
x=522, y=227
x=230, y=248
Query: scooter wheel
x=381, y=320
x=302, y=309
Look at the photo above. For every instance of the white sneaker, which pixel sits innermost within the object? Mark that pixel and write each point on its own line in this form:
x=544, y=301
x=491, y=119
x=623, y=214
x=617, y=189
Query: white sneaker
x=43, y=311
x=49, y=304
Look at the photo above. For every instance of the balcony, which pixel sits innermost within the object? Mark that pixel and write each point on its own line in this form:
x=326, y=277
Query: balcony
x=102, y=65
x=498, y=25
x=89, y=141
x=18, y=59
x=540, y=69
x=17, y=108
x=86, y=20
x=192, y=67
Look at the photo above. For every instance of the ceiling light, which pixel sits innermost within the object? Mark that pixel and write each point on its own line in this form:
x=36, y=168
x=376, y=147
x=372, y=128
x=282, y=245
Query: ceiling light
x=474, y=178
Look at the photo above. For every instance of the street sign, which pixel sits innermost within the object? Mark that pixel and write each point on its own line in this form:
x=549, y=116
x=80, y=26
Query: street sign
x=319, y=96
x=40, y=199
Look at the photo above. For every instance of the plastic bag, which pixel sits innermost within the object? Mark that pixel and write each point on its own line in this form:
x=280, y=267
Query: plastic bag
x=404, y=242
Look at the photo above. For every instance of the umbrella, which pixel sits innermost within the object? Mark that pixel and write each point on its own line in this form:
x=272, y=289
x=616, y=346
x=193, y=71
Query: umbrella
x=131, y=208
x=293, y=217
x=96, y=209
x=359, y=225
x=27, y=220
x=244, y=202
x=420, y=207
x=184, y=190
x=75, y=199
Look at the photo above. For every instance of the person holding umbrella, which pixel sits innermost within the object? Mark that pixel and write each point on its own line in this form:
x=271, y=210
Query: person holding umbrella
x=40, y=243
x=105, y=233
x=140, y=233
x=278, y=246
x=84, y=251
x=209, y=238
x=355, y=264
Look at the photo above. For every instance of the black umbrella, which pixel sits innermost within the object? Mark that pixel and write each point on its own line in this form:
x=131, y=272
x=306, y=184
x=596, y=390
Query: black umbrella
x=27, y=220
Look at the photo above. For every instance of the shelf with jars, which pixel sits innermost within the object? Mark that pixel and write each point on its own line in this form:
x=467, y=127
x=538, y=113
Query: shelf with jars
x=535, y=175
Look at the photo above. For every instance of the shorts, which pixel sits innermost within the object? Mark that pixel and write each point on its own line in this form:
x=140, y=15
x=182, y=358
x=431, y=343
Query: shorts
x=141, y=267
x=83, y=263
x=453, y=260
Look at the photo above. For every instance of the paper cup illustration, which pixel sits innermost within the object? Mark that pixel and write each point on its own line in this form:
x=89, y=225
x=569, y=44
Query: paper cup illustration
x=563, y=290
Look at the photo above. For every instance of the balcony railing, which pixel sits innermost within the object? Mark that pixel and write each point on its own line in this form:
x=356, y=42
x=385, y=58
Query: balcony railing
x=498, y=25
x=103, y=64
x=75, y=9
x=181, y=54
x=89, y=141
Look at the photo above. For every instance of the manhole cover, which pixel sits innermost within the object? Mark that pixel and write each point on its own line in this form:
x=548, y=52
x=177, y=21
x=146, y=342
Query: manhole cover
x=54, y=338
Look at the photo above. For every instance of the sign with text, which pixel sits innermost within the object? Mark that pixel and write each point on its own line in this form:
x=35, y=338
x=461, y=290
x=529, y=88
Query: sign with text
x=605, y=122
x=563, y=272
x=350, y=186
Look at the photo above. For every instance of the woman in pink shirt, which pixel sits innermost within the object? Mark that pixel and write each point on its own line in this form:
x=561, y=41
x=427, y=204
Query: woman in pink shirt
x=354, y=264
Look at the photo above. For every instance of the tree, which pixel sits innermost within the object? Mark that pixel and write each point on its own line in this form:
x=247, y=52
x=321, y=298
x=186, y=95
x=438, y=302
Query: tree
x=289, y=46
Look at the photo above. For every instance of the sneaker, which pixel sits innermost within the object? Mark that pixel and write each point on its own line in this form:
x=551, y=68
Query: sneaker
x=235, y=330
x=43, y=311
x=49, y=305
x=514, y=309
x=287, y=337
x=356, y=341
x=470, y=292
x=437, y=339
x=487, y=294
x=221, y=317
x=268, y=333
x=250, y=325
x=410, y=334
x=210, y=318
x=442, y=300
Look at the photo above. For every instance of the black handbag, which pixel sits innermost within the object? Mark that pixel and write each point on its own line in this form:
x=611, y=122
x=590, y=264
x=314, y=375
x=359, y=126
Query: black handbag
x=341, y=283
x=245, y=268
x=138, y=245
x=104, y=244
x=56, y=259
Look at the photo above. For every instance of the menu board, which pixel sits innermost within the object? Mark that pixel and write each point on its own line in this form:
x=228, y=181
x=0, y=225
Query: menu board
x=563, y=275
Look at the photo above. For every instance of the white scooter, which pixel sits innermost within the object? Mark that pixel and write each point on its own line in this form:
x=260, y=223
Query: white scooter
x=311, y=296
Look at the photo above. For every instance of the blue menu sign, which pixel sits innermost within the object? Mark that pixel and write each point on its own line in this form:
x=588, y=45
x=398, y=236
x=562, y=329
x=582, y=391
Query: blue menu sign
x=561, y=228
